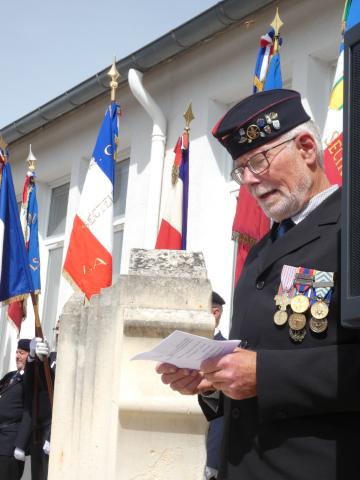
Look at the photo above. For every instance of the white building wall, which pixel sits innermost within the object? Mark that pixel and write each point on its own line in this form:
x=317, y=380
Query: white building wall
x=214, y=75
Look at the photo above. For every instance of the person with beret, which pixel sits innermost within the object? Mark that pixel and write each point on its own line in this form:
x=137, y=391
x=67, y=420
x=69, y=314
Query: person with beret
x=214, y=435
x=290, y=395
x=15, y=418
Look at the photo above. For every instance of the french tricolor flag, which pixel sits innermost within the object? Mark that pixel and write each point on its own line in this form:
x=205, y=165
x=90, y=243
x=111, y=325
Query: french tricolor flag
x=173, y=228
x=88, y=263
x=15, y=277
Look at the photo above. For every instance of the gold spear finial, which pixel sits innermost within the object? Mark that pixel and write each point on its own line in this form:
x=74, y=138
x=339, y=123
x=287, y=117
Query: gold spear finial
x=3, y=146
x=31, y=161
x=276, y=24
x=114, y=75
x=189, y=117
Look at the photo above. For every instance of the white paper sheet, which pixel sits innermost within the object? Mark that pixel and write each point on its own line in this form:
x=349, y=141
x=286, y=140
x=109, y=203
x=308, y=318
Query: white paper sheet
x=185, y=350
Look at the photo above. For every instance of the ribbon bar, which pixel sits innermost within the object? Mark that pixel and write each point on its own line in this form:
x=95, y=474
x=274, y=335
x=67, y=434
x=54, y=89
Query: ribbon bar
x=304, y=276
x=322, y=284
x=300, y=281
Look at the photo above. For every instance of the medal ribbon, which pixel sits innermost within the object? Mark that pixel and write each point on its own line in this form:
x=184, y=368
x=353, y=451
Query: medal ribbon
x=323, y=292
x=305, y=288
x=287, y=281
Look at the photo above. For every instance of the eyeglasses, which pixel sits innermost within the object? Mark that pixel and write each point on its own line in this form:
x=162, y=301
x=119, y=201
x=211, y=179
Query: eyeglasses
x=56, y=329
x=256, y=164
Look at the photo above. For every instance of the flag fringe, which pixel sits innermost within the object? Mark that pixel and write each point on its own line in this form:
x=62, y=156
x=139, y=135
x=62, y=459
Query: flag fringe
x=18, y=298
x=74, y=285
x=13, y=325
x=259, y=84
x=175, y=174
x=244, y=239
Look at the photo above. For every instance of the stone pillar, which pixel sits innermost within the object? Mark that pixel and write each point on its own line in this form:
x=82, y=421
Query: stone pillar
x=114, y=419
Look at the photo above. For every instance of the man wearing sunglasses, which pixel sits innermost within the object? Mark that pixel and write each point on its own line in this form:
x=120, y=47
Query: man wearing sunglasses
x=291, y=403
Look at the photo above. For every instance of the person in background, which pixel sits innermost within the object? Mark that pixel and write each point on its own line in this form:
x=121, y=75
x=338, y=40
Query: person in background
x=216, y=426
x=15, y=420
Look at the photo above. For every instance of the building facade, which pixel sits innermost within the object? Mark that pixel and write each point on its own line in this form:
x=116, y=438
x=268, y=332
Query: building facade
x=215, y=74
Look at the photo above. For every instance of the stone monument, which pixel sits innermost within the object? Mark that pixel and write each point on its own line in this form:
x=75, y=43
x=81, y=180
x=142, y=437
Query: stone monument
x=112, y=418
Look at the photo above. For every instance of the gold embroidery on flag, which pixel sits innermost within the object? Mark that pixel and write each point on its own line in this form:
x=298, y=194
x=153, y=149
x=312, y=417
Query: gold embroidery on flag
x=244, y=239
x=175, y=174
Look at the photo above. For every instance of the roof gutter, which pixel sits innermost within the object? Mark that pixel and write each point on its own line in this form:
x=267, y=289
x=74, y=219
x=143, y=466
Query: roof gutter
x=199, y=28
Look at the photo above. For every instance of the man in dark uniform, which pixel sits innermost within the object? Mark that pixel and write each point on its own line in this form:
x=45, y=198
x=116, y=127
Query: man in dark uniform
x=214, y=435
x=15, y=419
x=40, y=449
x=290, y=397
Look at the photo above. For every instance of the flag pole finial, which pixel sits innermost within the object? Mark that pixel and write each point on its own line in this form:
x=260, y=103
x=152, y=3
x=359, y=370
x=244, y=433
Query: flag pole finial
x=31, y=161
x=276, y=24
x=114, y=75
x=189, y=117
x=3, y=146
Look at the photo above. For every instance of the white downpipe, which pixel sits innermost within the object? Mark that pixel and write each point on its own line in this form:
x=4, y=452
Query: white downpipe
x=158, y=139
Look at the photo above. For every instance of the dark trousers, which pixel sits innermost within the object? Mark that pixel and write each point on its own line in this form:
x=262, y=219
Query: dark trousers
x=10, y=468
x=39, y=459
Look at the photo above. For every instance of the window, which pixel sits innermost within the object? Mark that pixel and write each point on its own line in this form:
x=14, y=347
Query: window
x=55, y=245
x=120, y=193
x=58, y=209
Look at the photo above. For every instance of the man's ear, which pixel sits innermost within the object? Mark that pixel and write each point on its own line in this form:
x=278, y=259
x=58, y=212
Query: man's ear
x=306, y=145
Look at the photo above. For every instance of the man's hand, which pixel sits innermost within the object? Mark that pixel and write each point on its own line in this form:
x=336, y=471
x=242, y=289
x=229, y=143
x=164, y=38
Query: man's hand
x=46, y=447
x=33, y=346
x=42, y=348
x=183, y=380
x=234, y=374
x=19, y=454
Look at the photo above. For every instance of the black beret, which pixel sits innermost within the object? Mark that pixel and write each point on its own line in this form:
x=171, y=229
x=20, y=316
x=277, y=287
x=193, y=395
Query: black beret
x=258, y=119
x=217, y=299
x=24, y=344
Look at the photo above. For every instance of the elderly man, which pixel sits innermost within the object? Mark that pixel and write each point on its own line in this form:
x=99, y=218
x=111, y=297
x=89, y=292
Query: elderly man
x=291, y=398
x=15, y=419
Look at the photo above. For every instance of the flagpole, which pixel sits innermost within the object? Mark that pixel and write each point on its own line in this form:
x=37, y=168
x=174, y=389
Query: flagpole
x=38, y=330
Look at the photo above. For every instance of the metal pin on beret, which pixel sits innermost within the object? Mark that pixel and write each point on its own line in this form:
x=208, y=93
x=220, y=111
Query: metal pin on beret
x=258, y=119
x=24, y=344
x=217, y=299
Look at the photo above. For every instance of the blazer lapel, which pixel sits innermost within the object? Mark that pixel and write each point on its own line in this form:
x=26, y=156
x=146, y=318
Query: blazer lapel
x=305, y=232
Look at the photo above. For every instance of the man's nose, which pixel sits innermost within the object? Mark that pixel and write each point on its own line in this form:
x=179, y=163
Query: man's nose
x=250, y=178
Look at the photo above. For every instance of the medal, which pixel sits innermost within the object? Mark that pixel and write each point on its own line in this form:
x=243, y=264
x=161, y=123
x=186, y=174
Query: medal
x=300, y=304
x=318, y=325
x=297, y=321
x=323, y=283
x=280, y=317
x=319, y=310
x=297, y=335
x=282, y=298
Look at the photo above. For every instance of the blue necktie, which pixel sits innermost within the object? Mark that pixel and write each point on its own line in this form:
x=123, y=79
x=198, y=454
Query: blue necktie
x=284, y=226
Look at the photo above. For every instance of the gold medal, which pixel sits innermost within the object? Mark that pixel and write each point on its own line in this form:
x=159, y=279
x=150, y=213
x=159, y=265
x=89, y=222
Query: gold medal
x=318, y=325
x=297, y=335
x=297, y=321
x=300, y=304
x=319, y=310
x=280, y=317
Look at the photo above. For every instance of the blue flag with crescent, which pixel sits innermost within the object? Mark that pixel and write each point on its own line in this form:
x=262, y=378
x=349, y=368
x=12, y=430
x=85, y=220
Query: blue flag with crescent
x=15, y=277
x=32, y=239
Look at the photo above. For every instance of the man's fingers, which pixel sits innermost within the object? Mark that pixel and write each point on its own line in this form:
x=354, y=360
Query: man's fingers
x=187, y=385
x=168, y=378
x=212, y=365
x=165, y=368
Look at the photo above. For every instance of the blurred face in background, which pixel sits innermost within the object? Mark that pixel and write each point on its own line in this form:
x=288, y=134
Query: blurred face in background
x=57, y=329
x=21, y=357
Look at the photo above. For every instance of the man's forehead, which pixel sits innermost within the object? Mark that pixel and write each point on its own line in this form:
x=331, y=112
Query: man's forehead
x=18, y=350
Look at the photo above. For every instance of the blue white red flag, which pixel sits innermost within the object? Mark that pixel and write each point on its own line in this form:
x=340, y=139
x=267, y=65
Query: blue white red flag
x=264, y=58
x=16, y=313
x=173, y=229
x=15, y=278
x=88, y=263
x=333, y=131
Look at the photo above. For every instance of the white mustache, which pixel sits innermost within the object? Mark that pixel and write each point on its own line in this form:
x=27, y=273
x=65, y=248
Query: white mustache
x=259, y=191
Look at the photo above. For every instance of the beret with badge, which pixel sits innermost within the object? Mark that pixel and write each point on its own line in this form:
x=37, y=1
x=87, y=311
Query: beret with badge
x=258, y=119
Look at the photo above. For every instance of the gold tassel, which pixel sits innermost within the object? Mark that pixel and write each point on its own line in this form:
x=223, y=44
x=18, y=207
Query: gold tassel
x=259, y=84
x=175, y=174
x=244, y=239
